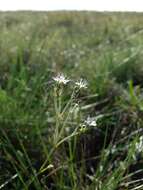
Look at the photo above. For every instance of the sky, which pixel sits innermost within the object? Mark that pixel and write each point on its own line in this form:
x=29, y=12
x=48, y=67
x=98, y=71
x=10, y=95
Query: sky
x=98, y=5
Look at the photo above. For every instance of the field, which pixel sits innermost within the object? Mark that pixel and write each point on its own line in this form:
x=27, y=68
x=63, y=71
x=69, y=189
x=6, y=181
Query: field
x=71, y=101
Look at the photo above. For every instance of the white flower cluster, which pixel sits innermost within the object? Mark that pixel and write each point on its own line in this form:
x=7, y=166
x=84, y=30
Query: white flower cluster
x=81, y=84
x=62, y=79
x=90, y=121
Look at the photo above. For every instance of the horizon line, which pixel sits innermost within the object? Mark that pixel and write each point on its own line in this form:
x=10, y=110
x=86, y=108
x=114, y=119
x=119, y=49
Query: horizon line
x=71, y=10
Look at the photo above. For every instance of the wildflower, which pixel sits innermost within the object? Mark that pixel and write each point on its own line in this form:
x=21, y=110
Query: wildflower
x=81, y=84
x=61, y=79
x=90, y=121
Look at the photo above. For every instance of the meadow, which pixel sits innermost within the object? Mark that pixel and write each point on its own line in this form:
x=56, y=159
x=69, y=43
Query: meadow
x=71, y=101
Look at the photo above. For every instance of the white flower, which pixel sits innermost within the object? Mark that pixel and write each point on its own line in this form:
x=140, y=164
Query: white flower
x=81, y=84
x=61, y=79
x=90, y=121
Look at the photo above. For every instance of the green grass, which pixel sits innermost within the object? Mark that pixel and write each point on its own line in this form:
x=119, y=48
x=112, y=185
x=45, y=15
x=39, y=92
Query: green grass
x=45, y=140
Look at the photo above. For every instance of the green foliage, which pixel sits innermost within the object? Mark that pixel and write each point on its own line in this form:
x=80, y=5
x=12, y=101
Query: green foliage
x=68, y=135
